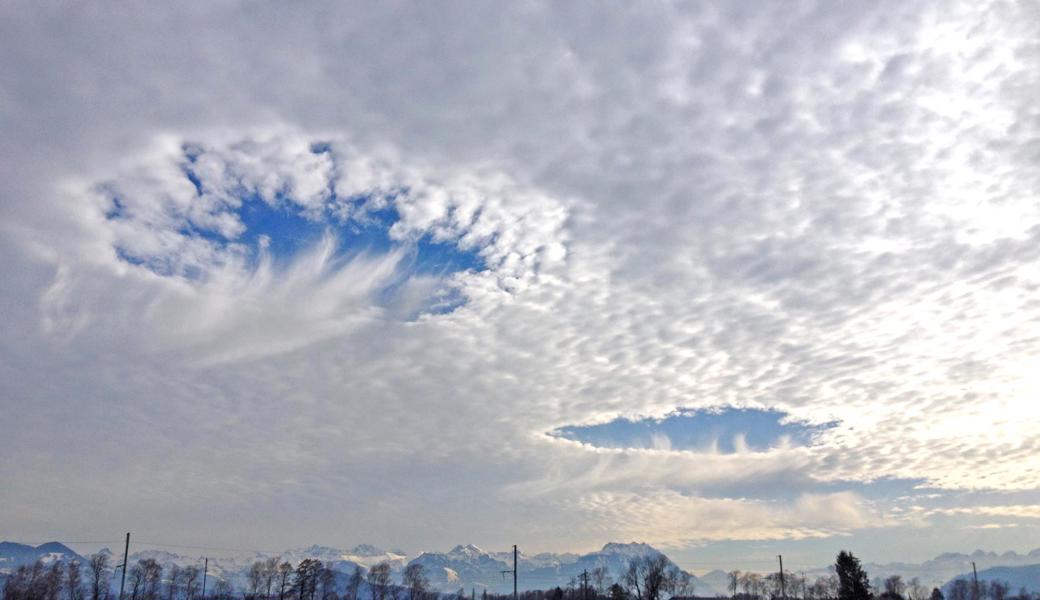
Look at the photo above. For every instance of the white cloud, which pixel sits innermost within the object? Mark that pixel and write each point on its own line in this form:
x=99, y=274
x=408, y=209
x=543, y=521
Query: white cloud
x=827, y=210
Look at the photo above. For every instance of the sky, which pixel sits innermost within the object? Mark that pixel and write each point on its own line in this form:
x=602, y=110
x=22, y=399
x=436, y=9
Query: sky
x=731, y=278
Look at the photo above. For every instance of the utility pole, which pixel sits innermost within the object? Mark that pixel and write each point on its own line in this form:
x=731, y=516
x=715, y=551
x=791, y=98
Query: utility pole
x=975, y=576
x=515, y=597
x=783, y=589
x=584, y=584
x=126, y=558
x=205, y=571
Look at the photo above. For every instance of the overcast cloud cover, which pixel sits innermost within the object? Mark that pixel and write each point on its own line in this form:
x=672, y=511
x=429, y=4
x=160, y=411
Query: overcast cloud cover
x=826, y=209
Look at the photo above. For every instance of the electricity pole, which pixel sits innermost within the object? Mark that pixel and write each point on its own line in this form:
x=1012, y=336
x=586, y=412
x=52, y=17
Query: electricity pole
x=205, y=571
x=513, y=572
x=584, y=584
x=126, y=558
x=783, y=589
x=975, y=576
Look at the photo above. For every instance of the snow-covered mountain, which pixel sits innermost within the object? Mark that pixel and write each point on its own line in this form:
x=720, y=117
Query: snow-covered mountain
x=13, y=555
x=717, y=580
x=464, y=566
x=363, y=555
x=470, y=567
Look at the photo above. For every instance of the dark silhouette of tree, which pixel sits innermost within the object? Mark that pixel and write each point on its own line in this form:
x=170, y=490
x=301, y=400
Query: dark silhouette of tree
x=270, y=574
x=255, y=579
x=680, y=583
x=306, y=578
x=853, y=583
x=16, y=586
x=960, y=589
x=600, y=578
x=222, y=590
x=98, y=576
x=73, y=581
x=191, y=581
x=734, y=582
x=379, y=580
x=937, y=594
x=617, y=592
x=284, y=573
x=153, y=578
x=998, y=590
x=173, y=582
x=894, y=588
x=327, y=584
x=354, y=583
x=136, y=581
x=648, y=577
x=415, y=581
x=55, y=581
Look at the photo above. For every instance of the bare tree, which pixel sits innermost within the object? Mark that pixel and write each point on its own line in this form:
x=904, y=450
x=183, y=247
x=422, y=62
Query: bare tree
x=270, y=574
x=307, y=575
x=55, y=581
x=647, y=576
x=354, y=583
x=734, y=582
x=153, y=578
x=98, y=576
x=415, y=580
x=327, y=584
x=379, y=580
x=73, y=581
x=633, y=578
x=190, y=581
x=894, y=586
x=255, y=579
x=916, y=591
x=960, y=590
x=998, y=590
x=284, y=572
x=136, y=581
x=173, y=582
x=680, y=583
x=222, y=590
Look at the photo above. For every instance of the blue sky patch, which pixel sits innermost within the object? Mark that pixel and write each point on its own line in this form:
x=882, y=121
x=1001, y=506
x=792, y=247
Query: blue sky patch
x=698, y=430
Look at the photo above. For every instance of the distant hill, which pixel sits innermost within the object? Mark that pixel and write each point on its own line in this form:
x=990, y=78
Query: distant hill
x=13, y=555
x=1026, y=576
x=943, y=568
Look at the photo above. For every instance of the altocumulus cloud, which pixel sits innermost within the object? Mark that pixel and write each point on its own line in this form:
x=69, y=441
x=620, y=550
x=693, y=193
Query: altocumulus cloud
x=341, y=271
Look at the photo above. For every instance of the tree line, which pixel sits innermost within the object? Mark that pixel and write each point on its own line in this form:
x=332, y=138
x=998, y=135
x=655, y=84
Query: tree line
x=651, y=577
x=850, y=581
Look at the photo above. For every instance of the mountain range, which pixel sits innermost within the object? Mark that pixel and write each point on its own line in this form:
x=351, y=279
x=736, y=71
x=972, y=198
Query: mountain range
x=464, y=566
x=469, y=567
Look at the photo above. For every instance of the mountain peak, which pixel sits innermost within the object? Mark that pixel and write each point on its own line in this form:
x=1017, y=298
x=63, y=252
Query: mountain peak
x=367, y=550
x=629, y=549
x=468, y=550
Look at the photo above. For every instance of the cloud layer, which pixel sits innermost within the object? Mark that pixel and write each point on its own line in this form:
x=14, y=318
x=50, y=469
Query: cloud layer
x=828, y=211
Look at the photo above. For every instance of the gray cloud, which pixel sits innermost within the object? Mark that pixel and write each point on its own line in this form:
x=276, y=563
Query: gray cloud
x=828, y=210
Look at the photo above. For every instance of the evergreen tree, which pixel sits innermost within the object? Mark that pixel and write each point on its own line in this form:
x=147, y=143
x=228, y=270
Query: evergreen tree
x=853, y=583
